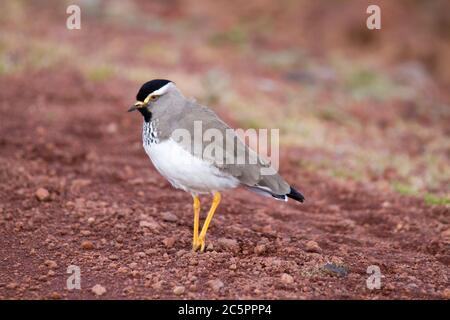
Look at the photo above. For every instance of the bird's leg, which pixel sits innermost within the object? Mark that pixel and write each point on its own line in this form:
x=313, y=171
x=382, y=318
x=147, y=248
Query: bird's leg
x=201, y=237
x=196, y=220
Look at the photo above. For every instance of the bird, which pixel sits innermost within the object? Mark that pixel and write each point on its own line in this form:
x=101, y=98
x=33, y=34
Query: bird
x=169, y=138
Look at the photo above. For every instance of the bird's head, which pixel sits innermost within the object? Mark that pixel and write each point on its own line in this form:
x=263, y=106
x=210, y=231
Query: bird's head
x=150, y=95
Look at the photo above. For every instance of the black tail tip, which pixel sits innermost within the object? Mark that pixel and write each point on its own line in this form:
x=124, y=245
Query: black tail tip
x=294, y=194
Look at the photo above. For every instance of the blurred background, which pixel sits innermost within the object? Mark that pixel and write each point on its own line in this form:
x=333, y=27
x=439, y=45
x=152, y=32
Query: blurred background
x=352, y=104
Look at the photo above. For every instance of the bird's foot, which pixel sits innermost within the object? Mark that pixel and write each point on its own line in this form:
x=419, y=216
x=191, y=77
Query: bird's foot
x=199, y=245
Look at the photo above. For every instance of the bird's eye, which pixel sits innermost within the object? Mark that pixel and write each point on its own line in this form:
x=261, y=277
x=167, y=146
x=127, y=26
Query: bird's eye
x=151, y=98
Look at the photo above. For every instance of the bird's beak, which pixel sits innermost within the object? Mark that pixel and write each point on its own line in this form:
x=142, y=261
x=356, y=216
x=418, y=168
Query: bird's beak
x=136, y=106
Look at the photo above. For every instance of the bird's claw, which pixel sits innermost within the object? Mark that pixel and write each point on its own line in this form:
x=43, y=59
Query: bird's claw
x=199, y=245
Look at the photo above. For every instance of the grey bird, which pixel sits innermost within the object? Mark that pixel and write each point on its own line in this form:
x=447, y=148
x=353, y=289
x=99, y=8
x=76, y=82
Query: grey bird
x=179, y=152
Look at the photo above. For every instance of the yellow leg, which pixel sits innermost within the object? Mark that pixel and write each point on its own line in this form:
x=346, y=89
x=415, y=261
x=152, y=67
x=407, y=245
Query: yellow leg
x=202, y=236
x=196, y=221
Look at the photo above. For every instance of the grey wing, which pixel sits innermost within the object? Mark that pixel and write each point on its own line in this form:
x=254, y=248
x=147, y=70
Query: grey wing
x=222, y=147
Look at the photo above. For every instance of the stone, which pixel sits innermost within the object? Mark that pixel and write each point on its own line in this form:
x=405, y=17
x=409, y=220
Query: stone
x=98, y=290
x=287, y=278
x=335, y=270
x=169, y=242
x=229, y=244
x=87, y=245
x=169, y=216
x=260, y=249
x=51, y=264
x=42, y=194
x=216, y=285
x=178, y=290
x=313, y=246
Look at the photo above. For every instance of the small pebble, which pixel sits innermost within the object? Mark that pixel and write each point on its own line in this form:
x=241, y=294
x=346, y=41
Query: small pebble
x=148, y=224
x=260, y=249
x=335, y=270
x=313, y=246
x=141, y=254
x=178, y=290
x=446, y=293
x=42, y=194
x=122, y=270
x=98, y=290
x=157, y=285
x=11, y=285
x=216, y=284
x=169, y=242
x=168, y=216
x=51, y=264
x=286, y=278
x=229, y=244
x=87, y=245
x=55, y=296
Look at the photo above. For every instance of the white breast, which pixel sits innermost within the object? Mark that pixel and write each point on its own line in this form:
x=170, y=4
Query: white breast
x=185, y=171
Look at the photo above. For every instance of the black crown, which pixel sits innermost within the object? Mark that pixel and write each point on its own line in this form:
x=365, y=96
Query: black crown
x=149, y=87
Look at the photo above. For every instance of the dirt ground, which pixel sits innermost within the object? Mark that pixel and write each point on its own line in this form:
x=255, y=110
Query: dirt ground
x=102, y=189
x=110, y=213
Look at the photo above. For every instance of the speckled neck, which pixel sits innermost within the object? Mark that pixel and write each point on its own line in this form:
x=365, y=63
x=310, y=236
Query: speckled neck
x=149, y=133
